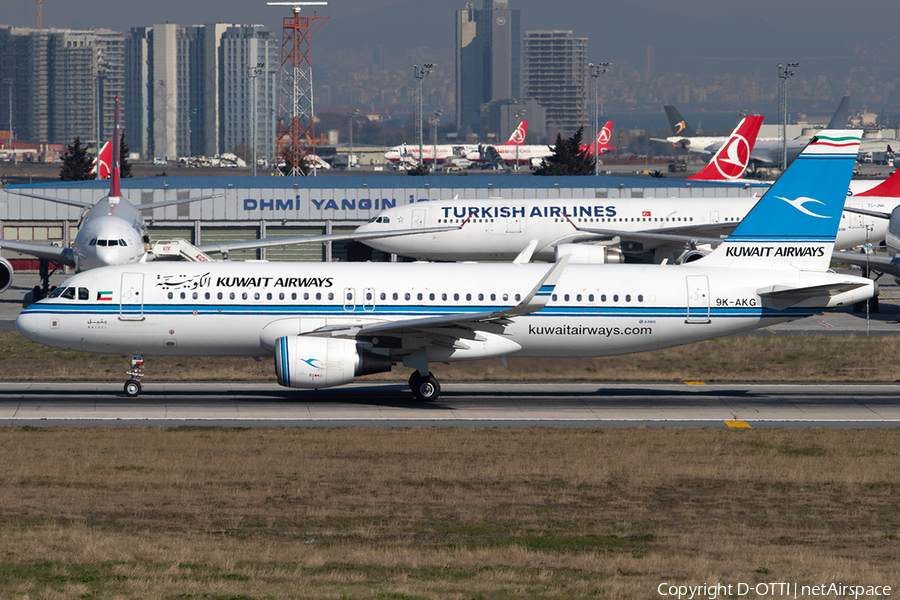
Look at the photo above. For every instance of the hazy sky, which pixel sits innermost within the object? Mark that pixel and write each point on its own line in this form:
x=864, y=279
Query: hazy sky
x=680, y=30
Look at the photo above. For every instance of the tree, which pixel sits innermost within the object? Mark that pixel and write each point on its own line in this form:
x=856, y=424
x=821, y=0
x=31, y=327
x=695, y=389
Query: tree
x=124, y=163
x=568, y=158
x=76, y=164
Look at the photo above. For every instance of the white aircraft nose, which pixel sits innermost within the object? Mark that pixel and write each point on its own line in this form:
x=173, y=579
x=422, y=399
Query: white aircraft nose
x=27, y=324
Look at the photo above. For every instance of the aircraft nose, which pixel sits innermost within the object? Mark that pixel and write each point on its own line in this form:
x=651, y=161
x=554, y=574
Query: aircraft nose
x=27, y=325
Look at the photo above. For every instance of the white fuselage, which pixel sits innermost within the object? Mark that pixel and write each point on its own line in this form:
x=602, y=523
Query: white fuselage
x=242, y=309
x=499, y=229
x=111, y=233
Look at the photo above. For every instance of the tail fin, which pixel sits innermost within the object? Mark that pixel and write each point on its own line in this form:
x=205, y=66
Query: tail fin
x=794, y=224
x=603, y=138
x=678, y=124
x=517, y=138
x=731, y=160
x=103, y=161
x=841, y=114
x=889, y=188
x=115, y=189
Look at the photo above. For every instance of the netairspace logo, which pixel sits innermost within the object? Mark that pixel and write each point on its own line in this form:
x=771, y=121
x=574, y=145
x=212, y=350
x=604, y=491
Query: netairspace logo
x=774, y=590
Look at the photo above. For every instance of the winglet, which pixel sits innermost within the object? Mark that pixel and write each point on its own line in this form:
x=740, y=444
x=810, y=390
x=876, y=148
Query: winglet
x=542, y=292
x=115, y=189
x=527, y=252
x=889, y=188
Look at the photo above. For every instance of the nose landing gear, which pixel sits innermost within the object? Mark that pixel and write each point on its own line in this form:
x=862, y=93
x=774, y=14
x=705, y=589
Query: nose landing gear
x=133, y=385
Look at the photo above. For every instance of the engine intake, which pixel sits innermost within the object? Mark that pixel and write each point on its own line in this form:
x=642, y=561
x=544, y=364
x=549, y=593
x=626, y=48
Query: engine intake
x=589, y=254
x=314, y=362
x=6, y=275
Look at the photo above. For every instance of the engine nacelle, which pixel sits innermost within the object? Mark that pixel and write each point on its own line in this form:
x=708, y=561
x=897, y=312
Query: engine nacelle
x=589, y=254
x=690, y=256
x=6, y=275
x=315, y=362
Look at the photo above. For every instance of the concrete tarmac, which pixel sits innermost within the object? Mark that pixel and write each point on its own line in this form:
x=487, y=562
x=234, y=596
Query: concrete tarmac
x=460, y=405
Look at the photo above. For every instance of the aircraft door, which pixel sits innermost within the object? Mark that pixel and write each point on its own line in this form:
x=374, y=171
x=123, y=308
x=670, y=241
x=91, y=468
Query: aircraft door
x=698, y=299
x=349, y=299
x=713, y=216
x=857, y=221
x=418, y=218
x=369, y=299
x=131, y=297
x=513, y=225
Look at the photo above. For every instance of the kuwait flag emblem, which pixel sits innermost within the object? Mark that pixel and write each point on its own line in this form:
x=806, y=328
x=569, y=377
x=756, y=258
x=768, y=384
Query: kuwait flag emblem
x=104, y=296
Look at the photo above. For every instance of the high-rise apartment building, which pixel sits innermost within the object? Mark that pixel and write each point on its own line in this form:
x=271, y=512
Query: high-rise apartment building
x=63, y=81
x=488, y=58
x=554, y=75
x=193, y=89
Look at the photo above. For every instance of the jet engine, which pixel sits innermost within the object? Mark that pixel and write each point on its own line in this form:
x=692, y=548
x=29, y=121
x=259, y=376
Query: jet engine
x=315, y=362
x=691, y=256
x=6, y=275
x=589, y=254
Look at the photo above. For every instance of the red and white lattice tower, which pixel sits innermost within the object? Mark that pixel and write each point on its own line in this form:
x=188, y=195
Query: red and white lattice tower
x=296, y=129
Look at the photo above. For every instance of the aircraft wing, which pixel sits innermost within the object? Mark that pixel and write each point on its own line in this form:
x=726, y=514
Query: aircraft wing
x=153, y=205
x=453, y=325
x=225, y=247
x=884, y=264
x=52, y=199
x=63, y=256
x=698, y=234
x=785, y=297
x=868, y=213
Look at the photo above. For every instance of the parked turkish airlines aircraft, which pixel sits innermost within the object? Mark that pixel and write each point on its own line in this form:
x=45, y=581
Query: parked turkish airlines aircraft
x=730, y=161
x=877, y=203
x=602, y=144
x=448, y=152
x=325, y=323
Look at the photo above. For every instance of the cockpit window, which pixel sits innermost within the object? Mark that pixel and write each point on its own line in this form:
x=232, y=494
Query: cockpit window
x=122, y=242
x=101, y=242
x=93, y=242
x=84, y=294
x=69, y=294
x=385, y=219
x=56, y=293
x=113, y=242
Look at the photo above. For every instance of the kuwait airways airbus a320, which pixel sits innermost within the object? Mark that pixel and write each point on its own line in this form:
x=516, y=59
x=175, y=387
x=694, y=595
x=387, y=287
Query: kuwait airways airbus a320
x=326, y=323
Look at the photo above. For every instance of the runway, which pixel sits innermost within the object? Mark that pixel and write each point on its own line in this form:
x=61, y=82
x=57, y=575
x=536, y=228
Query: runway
x=460, y=405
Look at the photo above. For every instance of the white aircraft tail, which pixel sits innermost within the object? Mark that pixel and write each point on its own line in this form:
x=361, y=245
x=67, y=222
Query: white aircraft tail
x=794, y=224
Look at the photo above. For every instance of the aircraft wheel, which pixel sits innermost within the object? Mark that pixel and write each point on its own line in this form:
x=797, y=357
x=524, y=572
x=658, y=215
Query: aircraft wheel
x=427, y=389
x=414, y=381
x=132, y=388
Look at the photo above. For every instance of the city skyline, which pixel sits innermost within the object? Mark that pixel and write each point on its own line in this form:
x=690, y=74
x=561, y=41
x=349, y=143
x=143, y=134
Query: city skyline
x=700, y=48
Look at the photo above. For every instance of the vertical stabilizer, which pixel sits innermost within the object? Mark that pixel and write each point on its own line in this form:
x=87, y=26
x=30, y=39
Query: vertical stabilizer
x=889, y=188
x=678, y=124
x=794, y=224
x=731, y=160
x=517, y=138
x=841, y=114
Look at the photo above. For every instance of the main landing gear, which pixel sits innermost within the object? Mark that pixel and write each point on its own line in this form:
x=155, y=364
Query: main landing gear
x=133, y=385
x=424, y=387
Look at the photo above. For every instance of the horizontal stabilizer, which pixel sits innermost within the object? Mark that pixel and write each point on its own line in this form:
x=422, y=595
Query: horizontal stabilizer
x=785, y=297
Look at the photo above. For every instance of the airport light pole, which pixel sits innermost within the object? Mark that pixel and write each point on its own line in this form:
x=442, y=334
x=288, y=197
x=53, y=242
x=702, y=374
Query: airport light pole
x=254, y=72
x=352, y=114
x=420, y=73
x=596, y=71
x=433, y=121
x=9, y=82
x=101, y=72
x=784, y=73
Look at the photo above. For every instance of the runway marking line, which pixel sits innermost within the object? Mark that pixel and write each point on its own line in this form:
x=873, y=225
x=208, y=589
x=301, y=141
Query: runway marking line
x=737, y=423
x=694, y=383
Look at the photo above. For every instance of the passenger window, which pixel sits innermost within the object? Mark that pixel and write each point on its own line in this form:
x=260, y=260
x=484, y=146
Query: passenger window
x=553, y=297
x=468, y=297
x=481, y=296
x=293, y=295
x=602, y=297
x=407, y=296
x=383, y=296
x=640, y=298
x=456, y=296
x=518, y=297
x=505, y=297
x=196, y=295
x=419, y=297
x=590, y=298
x=443, y=296
x=269, y=296
x=171, y=295
x=431, y=296
x=231, y=296
x=493, y=296
x=615, y=297
x=306, y=295
x=244, y=295
x=331, y=295
x=566, y=297
x=395, y=296
x=183, y=295
x=256, y=296
x=207, y=295
x=368, y=295
x=84, y=294
x=578, y=298
x=627, y=297
x=318, y=295
x=219, y=296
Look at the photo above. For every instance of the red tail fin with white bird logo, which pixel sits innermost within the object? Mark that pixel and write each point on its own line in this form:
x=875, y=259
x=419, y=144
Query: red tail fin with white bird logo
x=731, y=160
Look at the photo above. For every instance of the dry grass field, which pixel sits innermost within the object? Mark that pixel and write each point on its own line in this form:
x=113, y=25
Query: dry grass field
x=441, y=513
x=772, y=358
